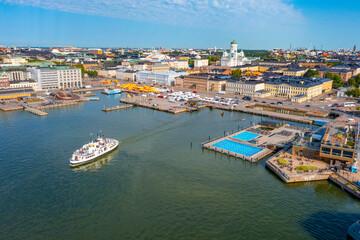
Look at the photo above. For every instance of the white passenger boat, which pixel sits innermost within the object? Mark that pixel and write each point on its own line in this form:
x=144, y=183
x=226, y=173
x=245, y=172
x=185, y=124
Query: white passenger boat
x=93, y=150
x=112, y=92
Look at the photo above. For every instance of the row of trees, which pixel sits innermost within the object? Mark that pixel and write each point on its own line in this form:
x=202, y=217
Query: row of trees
x=354, y=82
x=236, y=73
x=212, y=59
x=355, y=92
x=337, y=82
x=88, y=72
x=312, y=73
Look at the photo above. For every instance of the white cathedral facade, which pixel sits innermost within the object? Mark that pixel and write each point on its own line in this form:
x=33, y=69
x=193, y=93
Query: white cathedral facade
x=234, y=58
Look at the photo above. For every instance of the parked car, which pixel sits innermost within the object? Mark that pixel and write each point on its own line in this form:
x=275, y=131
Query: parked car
x=247, y=98
x=307, y=105
x=263, y=101
x=280, y=103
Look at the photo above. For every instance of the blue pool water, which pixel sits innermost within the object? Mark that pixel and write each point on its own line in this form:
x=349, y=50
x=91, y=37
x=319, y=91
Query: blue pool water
x=237, y=147
x=246, y=136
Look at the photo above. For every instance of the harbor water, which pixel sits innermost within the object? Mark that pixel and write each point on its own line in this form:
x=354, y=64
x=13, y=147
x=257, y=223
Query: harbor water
x=158, y=184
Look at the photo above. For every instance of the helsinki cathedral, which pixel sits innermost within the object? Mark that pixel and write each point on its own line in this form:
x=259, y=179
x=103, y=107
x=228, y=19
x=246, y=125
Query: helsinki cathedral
x=234, y=58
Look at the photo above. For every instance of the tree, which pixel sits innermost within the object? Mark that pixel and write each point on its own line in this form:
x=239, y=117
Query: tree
x=236, y=73
x=331, y=64
x=311, y=73
x=353, y=92
x=82, y=68
x=191, y=63
x=91, y=73
x=352, y=83
x=212, y=59
x=337, y=82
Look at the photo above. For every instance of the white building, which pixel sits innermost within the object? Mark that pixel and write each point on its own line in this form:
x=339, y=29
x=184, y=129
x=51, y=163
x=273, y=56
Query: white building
x=179, y=64
x=163, y=78
x=19, y=74
x=57, y=77
x=24, y=84
x=234, y=58
x=69, y=77
x=201, y=62
x=243, y=87
x=126, y=74
x=16, y=61
x=141, y=66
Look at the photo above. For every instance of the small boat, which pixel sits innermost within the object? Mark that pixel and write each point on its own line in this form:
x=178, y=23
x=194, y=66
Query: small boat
x=112, y=92
x=243, y=119
x=93, y=150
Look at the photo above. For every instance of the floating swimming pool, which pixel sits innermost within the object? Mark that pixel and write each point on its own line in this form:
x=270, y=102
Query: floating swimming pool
x=237, y=147
x=246, y=136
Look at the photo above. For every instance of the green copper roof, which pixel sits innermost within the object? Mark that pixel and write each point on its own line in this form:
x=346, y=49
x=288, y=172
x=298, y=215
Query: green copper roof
x=234, y=42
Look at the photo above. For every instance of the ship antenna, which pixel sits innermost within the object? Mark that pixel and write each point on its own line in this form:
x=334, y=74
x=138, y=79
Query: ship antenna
x=100, y=134
x=90, y=137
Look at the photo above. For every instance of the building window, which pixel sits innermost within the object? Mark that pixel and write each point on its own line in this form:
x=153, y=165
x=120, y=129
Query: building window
x=336, y=152
x=325, y=150
x=348, y=154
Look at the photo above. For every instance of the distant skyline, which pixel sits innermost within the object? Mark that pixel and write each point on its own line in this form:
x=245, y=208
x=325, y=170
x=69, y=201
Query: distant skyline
x=256, y=24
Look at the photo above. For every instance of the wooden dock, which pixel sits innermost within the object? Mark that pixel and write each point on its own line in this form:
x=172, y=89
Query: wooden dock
x=36, y=111
x=89, y=89
x=56, y=105
x=119, y=107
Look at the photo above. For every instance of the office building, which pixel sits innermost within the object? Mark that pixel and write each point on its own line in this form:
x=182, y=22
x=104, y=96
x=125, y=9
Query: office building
x=162, y=78
x=57, y=77
x=201, y=62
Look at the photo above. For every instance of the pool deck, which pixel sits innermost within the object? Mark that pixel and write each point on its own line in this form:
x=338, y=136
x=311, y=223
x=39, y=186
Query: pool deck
x=254, y=158
x=267, y=140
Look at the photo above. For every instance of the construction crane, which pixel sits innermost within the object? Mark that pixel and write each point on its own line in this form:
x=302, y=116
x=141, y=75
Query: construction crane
x=66, y=47
x=166, y=57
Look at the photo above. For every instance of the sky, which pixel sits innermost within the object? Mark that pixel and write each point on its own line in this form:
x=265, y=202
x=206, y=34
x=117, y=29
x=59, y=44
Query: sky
x=255, y=24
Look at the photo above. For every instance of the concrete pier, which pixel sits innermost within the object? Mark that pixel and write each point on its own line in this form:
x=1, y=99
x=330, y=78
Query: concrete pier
x=57, y=105
x=116, y=108
x=297, y=177
x=36, y=111
x=345, y=185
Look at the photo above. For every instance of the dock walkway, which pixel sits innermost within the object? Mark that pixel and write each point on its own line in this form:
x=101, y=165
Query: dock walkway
x=116, y=108
x=57, y=105
x=36, y=111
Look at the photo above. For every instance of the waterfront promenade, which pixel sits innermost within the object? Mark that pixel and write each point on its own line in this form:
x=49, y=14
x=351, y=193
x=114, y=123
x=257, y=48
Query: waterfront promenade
x=155, y=166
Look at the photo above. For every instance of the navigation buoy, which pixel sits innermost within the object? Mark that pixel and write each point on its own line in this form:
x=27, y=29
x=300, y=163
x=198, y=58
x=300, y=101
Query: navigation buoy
x=222, y=113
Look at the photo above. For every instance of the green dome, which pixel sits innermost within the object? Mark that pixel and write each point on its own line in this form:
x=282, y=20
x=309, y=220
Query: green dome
x=234, y=42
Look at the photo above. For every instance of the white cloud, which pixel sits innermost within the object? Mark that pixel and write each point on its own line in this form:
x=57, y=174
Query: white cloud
x=205, y=13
